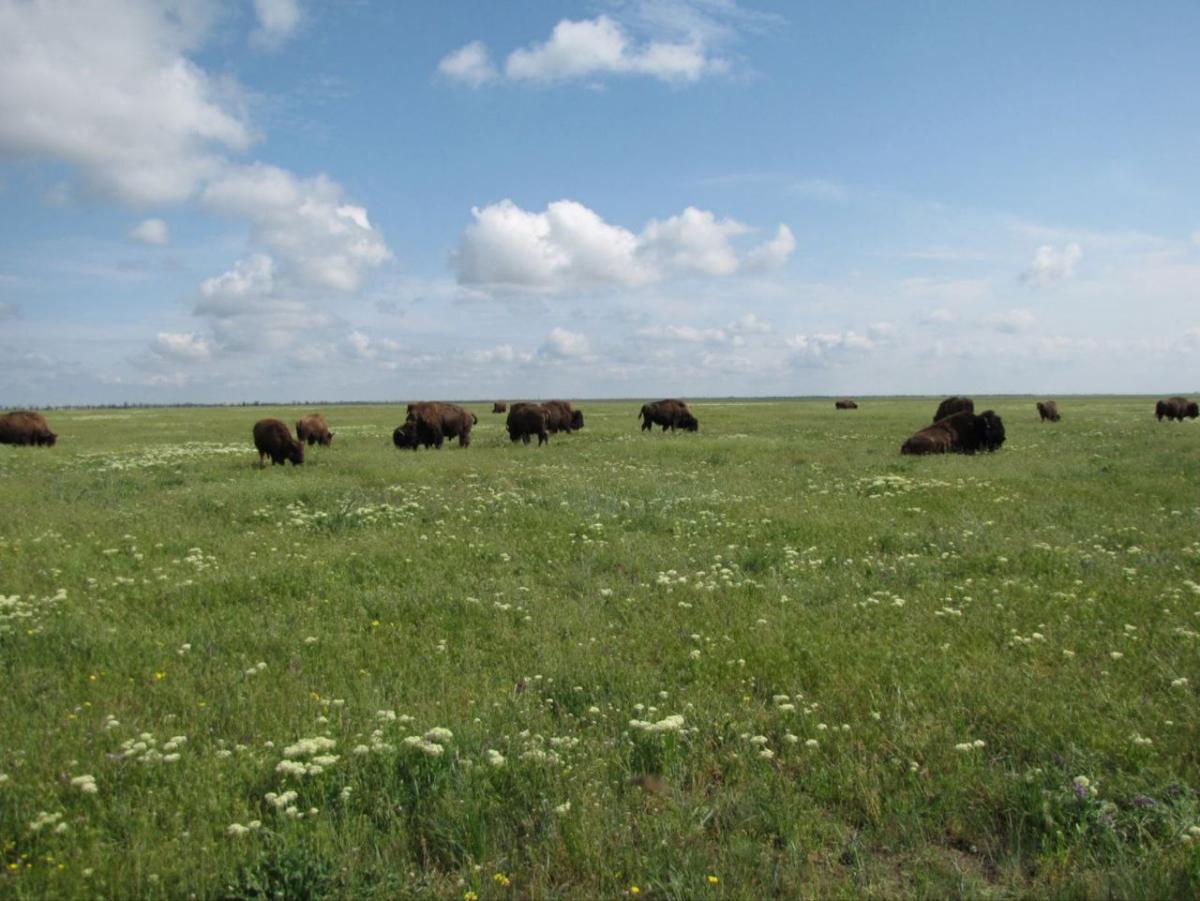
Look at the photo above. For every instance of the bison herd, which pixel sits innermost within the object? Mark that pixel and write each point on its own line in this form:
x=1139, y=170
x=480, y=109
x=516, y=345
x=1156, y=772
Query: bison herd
x=955, y=429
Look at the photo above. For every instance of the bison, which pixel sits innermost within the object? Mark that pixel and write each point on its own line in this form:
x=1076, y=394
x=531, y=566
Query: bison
x=959, y=433
x=434, y=422
x=670, y=414
x=273, y=440
x=499, y=407
x=845, y=405
x=561, y=416
x=313, y=429
x=953, y=405
x=524, y=420
x=1048, y=409
x=1176, y=408
x=27, y=428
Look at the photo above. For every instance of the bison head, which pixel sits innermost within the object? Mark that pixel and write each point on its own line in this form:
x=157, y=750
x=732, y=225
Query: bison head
x=989, y=430
x=689, y=422
x=405, y=435
x=50, y=439
x=1193, y=410
x=577, y=419
x=296, y=454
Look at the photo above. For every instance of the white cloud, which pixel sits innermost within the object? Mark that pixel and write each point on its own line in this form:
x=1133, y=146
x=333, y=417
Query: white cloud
x=501, y=353
x=360, y=346
x=151, y=231
x=561, y=344
x=184, y=347
x=471, y=64
x=318, y=237
x=593, y=48
x=938, y=316
x=685, y=333
x=106, y=86
x=822, y=348
x=570, y=247
x=1012, y=321
x=1053, y=264
x=277, y=21
x=774, y=253
x=230, y=293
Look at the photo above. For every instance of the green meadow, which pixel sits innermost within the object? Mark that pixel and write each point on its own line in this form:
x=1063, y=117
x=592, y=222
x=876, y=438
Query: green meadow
x=773, y=658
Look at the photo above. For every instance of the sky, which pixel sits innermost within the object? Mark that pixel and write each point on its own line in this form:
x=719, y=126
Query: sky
x=274, y=200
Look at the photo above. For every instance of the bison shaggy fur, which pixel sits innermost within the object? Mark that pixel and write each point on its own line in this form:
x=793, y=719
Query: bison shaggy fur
x=670, y=414
x=27, y=428
x=845, y=405
x=273, y=440
x=430, y=423
x=1048, y=409
x=952, y=405
x=958, y=433
x=561, y=416
x=499, y=407
x=313, y=429
x=1176, y=408
x=525, y=420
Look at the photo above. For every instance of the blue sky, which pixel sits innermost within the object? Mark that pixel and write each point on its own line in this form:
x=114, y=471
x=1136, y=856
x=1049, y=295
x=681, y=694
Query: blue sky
x=289, y=199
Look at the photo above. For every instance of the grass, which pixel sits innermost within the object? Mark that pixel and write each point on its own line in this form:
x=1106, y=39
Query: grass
x=891, y=671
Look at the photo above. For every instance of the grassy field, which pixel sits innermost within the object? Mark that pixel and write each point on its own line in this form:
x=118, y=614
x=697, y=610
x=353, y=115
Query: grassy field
x=771, y=658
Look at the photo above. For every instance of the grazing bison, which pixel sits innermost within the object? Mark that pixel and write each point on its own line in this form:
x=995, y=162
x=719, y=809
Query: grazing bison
x=26, y=427
x=273, y=440
x=953, y=405
x=1176, y=408
x=959, y=433
x=1048, y=409
x=670, y=414
x=499, y=407
x=313, y=429
x=435, y=421
x=561, y=416
x=845, y=405
x=525, y=419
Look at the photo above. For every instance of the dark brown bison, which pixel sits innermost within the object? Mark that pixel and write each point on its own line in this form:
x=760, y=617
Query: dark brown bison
x=313, y=429
x=1176, y=408
x=1048, y=409
x=525, y=420
x=953, y=405
x=670, y=414
x=959, y=433
x=433, y=422
x=561, y=416
x=499, y=407
x=273, y=440
x=845, y=405
x=26, y=427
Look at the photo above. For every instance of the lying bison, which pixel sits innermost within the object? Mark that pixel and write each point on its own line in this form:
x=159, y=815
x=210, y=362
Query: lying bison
x=959, y=433
x=845, y=405
x=1176, y=408
x=1048, y=409
x=670, y=414
x=953, y=405
x=561, y=416
x=273, y=440
x=431, y=423
x=525, y=420
x=499, y=407
x=27, y=428
x=313, y=429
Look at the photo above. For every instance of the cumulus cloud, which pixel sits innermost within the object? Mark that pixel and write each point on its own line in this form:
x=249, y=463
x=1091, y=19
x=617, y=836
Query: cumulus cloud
x=734, y=334
x=774, y=253
x=570, y=247
x=182, y=347
x=593, y=48
x=360, y=346
x=1053, y=264
x=106, y=87
x=561, y=344
x=470, y=64
x=317, y=235
x=1012, y=321
x=151, y=231
x=277, y=21
x=823, y=348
